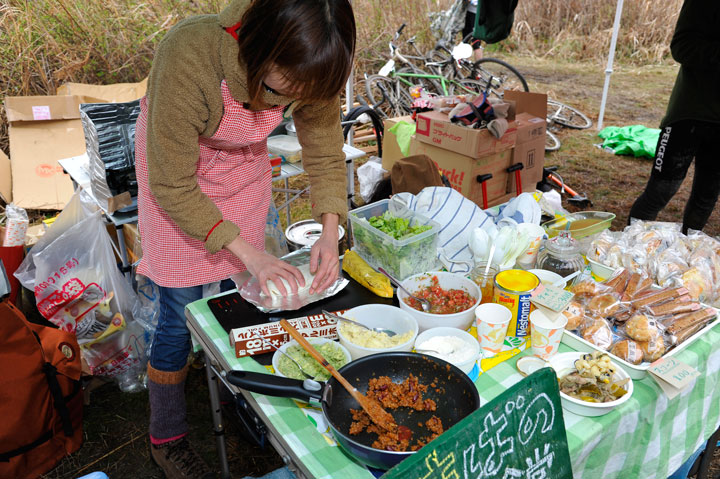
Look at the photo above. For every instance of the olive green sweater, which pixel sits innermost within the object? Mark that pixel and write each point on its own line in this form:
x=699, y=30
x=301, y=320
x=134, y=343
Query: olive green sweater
x=185, y=103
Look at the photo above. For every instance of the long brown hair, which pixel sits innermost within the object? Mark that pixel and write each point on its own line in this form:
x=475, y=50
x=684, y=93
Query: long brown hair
x=312, y=42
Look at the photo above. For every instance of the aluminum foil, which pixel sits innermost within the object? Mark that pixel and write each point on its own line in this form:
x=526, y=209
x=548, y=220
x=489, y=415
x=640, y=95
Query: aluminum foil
x=251, y=292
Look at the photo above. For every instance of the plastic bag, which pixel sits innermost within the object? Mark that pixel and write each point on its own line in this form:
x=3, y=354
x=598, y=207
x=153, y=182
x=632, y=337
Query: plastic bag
x=80, y=207
x=79, y=288
x=275, y=242
x=369, y=175
x=16, y=226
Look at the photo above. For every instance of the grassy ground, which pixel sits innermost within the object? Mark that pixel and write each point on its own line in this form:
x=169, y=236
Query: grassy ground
x=115, y=423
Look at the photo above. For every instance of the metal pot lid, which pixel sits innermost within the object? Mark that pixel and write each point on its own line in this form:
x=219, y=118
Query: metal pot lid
x=307, y=232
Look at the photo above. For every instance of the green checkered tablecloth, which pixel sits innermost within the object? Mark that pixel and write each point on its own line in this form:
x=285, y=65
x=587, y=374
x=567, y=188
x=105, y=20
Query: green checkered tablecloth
x=647, y=437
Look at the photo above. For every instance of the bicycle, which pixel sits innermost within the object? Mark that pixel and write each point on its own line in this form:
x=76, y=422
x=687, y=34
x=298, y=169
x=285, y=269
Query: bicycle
x=564, y=115
x=388, y=89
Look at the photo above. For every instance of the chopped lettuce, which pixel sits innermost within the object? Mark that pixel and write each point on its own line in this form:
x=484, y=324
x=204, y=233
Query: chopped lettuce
x=398, y=228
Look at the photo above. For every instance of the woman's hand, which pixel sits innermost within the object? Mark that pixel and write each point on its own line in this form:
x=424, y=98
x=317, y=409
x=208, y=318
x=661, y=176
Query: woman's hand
x=324, y=259
x=264, y=267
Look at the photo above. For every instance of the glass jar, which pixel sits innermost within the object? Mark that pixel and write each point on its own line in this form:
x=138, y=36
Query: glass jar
x=486, y=282
x=561, y=255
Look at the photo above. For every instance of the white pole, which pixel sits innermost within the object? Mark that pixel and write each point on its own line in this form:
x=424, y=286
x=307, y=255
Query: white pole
x=611, y=58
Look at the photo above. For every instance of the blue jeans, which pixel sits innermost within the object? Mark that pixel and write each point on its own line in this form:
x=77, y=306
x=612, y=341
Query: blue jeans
x=171, y=344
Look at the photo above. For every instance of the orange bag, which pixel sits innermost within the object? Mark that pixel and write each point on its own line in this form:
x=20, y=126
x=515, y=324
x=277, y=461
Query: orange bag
x=40, y=396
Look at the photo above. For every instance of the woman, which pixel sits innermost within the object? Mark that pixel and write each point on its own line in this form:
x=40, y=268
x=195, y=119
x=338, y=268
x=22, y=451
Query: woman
x=219, y=85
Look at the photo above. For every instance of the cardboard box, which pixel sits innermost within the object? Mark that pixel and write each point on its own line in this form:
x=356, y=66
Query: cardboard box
x=529, y=150
x=45, y=129
x=391, y=149
x=5, y=178
x=435, y=128
x=462, y=171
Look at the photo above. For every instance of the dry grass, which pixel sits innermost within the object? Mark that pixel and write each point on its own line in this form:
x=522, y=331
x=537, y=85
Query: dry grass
x=44, y=43
x=579, y=30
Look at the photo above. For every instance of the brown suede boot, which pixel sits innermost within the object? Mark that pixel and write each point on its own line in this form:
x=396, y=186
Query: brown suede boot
x=179, y=460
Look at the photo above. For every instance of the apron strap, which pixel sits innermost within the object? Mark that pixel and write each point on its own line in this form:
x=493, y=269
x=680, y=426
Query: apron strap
x=233, y=30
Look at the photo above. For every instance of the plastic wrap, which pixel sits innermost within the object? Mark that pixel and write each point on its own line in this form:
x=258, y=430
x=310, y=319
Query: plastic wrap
x=668, y=257
x=252, y=293
x=110, y=142
x=633, y=320
x=16, y=226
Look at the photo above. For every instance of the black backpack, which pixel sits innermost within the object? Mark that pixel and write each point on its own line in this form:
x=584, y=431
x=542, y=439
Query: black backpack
x=494, y=20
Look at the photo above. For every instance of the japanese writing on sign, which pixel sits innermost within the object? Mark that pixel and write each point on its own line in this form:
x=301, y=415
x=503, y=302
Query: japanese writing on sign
x=518, y=435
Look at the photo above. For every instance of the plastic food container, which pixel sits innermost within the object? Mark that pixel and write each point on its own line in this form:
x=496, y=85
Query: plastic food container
x=462, y=320
x=584, y=226
x=379, y=316
x=286, y=146
x=401, y=258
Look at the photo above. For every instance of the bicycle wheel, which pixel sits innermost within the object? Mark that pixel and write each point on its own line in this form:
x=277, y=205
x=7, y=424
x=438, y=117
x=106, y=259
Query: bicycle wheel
x=498, y=76
x=567, y=116
x=444, y=65
x=391, y=99
x=552, y=143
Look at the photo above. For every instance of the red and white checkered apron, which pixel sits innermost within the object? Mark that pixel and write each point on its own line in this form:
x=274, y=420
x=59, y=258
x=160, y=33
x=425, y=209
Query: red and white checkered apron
x=234, y=172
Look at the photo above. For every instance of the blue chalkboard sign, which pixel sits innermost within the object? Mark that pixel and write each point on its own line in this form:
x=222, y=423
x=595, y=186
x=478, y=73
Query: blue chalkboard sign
x=518, y=435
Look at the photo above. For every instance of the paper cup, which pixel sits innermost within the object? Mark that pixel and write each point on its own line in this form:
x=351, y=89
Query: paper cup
x=536, y=233
x=545, y=334
x=492, y=322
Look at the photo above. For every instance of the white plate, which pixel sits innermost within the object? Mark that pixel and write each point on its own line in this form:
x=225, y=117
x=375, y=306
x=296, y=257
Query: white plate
x=313, y=341
x=563, y=364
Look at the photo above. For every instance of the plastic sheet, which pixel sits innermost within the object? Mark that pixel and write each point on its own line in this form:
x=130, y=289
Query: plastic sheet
x=251, y=292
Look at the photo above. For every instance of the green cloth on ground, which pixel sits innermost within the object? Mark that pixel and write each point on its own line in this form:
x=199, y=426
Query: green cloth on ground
x=636, y=140
x=403, y=132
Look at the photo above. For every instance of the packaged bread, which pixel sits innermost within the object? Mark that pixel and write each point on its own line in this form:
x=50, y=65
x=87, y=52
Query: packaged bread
x=575, y=314
x=641, y=328
x=653, y=349
x=628, y=350
x=604, y=305
x=598, y=332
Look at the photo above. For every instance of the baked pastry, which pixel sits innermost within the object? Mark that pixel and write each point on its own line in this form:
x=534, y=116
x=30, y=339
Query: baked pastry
x=653, y=349
x=628, y=350
x=641, y=328
x=586, y=288
x=575, y=315
x=598, y=332
x=604, y=305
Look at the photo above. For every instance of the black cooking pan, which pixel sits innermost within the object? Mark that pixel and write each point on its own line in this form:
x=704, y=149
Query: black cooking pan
x=455, y=395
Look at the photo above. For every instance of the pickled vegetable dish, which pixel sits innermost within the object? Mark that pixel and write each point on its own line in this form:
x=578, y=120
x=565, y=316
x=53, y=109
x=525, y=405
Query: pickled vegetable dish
x=442, y=301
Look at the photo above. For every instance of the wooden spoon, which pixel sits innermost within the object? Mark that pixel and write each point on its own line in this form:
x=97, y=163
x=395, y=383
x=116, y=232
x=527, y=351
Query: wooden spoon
x=377, y=414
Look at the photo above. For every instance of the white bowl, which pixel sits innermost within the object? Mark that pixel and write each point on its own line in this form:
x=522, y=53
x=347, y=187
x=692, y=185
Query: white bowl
x=379, y=316
x=600, y=270
x=470, y=340
x=548, y=278
x=461, y=320
x=313, y=341
x=564, y=363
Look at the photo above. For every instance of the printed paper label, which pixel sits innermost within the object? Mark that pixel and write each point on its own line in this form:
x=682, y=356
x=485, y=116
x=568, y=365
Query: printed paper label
x=41, y=112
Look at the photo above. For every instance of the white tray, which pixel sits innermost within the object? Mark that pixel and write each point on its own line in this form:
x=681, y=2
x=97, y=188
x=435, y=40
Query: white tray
x=638, y=371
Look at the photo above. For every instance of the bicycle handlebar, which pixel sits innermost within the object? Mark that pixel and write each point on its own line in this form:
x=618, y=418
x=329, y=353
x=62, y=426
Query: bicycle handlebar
x=397, y=34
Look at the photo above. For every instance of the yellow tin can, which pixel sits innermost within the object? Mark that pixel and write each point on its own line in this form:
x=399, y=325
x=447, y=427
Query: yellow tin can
x=513, y=289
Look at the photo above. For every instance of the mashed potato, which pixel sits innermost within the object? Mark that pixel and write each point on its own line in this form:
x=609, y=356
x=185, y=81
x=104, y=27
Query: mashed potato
x=372, y=339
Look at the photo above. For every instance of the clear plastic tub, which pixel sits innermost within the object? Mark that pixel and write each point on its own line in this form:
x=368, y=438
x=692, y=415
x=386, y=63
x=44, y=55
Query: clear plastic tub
x=401, y=258
x=286, y=146
x=584, y=226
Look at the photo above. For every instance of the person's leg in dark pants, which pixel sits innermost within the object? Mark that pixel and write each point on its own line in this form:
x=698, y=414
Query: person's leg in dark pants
x=675, y=151
x=706, y=182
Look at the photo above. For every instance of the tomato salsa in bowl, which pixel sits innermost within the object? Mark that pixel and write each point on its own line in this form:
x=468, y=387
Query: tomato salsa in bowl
x=453, y=299
x=442, y=301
